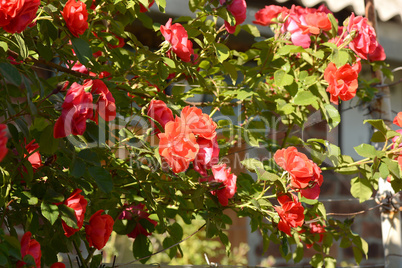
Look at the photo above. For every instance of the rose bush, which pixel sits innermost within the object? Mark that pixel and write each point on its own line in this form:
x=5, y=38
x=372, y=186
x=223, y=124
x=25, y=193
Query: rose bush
x=102, y=130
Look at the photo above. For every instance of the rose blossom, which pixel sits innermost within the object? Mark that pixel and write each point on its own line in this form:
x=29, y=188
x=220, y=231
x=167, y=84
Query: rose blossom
x=99, y=229
x=365, y=39
x=77, y=108
x=177, y=146
x=305, y=175
x=342, y=81
x=398, y=119
x=16, y=15
x=198, y=123
x=291, y=213
x=159, y=111
x=228, y=188
x=238, y=8
x=79, y=204
x=177, y=36
x=136, y=213
x=105, y=106
x=3, y=141
x=208, y=155
x=265, y=16
x=30, y=247
x=34, y=156
x=315, y=22
x=76, y=16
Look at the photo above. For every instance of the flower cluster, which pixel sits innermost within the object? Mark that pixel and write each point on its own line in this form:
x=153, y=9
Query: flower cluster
x=305, y=175
x=78, y=107
x=17, y=15
x=299, y=22
x=177, y=37
x=75, y=15
x=290, y=211
x=192, y=138
x=179, y=144
x=137, y=214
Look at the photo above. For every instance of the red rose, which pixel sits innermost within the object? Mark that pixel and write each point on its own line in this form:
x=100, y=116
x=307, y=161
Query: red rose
x=16, y=15
x=34, y=156
x=159, y=111
x=291, y=213
x=3, y=141
x=398, y=119
x=316, y=228
x=136, y=213
x=177, y=36
x=9, y=10
x=77, y=108
x=208, y=155
x=77, y=202
x=76, y=17
x=378, y=54
x=238, y=8
x=228, y=188
x=143, y=8
x=342, y=82
x=305, y=175
x=99, y=229
x=198, y=123
x=315, y=22
x=30, y=247
x=365, y=40
x=265, y=16
x=177, y=146
x=58, y=265
x=105, y=106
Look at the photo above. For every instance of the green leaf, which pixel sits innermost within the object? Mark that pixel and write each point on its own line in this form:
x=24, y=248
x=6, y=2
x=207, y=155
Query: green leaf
x=393, y=167
x=68, y=215
x=251, y=29
x=252, y=164
x=317, y=260
x=82, y=49
x=266, y=176
x=231, y=70
x=4, y=46
x=304, y=98
x=361, y=189
x=332, y=115
x=10, y=73
x=161, y=4
x=377, y=124
x=102, y=177
x=289, y=49
x=329, y=262
x=281, y=78
x=142, y=247
x=169, y=62
x=96, y=261
x=339, y=57
x=47, y=143
x=366, y=150
x=50, y=212
x=24, y=53
x=222, y=52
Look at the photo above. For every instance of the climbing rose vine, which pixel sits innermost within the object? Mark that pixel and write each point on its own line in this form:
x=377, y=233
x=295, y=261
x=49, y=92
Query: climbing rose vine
x=102, y=132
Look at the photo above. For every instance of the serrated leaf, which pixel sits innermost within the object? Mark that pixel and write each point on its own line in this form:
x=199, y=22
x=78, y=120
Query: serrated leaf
x=304, y=98
x=102, y=177
x=361, y=189
x=142, y=247
x=281, y=78
x=10, y=73
x=222, y=52
x=332, y=115
x=377, y=124
x=82, y=50
x=50, y=212
x=366, y=150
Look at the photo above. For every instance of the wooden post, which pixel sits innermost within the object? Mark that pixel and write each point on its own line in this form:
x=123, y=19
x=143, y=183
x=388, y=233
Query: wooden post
x=390, y=217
